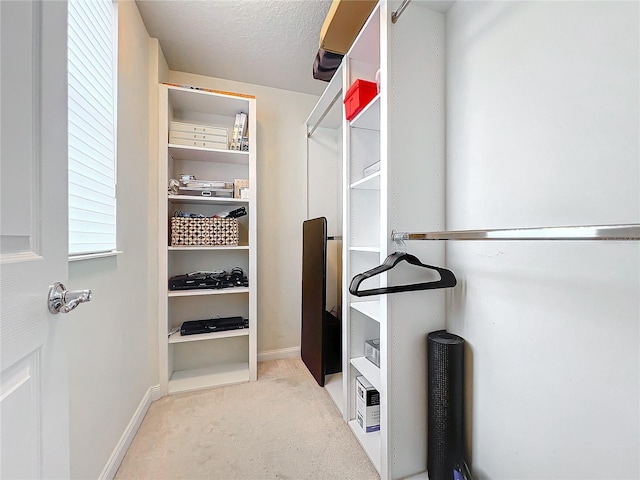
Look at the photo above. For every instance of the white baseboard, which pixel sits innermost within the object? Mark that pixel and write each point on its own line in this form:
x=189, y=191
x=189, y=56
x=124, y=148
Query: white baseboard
x=279, y=354
x=111, y=468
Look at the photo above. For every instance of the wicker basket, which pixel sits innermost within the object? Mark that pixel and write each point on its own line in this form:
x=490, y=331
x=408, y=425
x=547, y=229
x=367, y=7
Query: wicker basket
x=204, y=231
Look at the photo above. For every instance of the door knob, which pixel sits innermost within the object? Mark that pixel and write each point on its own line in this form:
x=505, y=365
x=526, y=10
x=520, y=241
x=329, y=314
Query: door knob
x=62, y=300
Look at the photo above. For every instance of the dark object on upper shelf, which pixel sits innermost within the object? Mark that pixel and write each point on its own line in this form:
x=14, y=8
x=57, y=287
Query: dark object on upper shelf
x=447, y=278
x=210, y=325
x=325, y=65
x=209, y=280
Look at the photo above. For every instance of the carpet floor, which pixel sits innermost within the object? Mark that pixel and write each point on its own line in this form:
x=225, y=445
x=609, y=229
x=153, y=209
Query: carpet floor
x=284, y=426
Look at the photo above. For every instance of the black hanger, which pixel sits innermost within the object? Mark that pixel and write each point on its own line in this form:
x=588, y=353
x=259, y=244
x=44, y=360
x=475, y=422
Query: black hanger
x=447, y=278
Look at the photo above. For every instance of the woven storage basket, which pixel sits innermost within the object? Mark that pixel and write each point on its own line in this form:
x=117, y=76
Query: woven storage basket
x=204, y=231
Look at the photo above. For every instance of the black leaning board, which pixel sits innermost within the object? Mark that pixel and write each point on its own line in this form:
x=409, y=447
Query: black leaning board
x=314, y=291
x=211, y=325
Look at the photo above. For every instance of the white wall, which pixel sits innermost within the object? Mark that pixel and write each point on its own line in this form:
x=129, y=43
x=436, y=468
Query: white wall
x=113, y=337
x=542, y=129
x=281, y=204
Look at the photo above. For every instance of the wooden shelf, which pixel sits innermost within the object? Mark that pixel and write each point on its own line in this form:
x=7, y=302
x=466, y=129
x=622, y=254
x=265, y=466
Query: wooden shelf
x=199, y=154
x=368, y=370
x=369, y=308
x=207, y=248
x=195, y=293
x=370, y=443
x=214, y=376
x=199, y=200
x=177, y=338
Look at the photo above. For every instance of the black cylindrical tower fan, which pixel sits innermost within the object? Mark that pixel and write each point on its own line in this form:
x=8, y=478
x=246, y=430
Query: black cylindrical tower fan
x=445, y=449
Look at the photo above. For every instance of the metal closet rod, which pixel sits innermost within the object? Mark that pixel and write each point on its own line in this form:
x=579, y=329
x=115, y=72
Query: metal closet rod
x=396, y=15
x=629, y=231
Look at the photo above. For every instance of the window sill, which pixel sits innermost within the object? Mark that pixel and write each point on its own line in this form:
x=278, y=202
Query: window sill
x=90, y=256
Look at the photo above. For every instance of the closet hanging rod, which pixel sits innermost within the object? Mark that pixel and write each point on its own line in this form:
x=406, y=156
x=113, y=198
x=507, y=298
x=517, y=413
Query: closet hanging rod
x=396, y=15
x=324, y=114
x=582, y=232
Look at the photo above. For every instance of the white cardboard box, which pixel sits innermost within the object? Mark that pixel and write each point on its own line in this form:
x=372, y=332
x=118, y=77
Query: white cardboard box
x=367, y=405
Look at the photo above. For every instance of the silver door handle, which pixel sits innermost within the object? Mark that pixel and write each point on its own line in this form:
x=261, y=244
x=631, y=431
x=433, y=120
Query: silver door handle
x=62, y=300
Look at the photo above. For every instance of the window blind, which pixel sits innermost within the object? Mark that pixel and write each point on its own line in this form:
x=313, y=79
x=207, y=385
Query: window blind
x=92, y=78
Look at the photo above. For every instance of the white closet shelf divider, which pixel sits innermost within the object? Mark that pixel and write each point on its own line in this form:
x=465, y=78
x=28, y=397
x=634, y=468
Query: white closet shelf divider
x=369, y=117
x=369, y=308
x=205, y=248
x=200, y=378
x=195, y=200
x=195, y=293
x=177, y=338
x=199, y=154
x=368, y=370
x=370, y=182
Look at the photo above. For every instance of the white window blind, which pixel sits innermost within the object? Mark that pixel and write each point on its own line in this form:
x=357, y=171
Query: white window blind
x=92, y=78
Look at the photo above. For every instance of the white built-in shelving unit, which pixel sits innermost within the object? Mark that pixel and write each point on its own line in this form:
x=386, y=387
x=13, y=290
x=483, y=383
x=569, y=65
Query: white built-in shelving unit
x=201, y=361
x=403, y=128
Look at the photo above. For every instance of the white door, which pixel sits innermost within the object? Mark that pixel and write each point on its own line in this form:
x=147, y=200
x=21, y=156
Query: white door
x=33, y=239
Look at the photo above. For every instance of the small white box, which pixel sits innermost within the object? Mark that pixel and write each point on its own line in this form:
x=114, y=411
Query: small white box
x=372, y=351
x=367, y=405
x=195, y=128
x=196, y=142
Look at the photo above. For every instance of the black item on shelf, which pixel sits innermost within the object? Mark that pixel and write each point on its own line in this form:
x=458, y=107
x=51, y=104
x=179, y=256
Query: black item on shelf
x=236, y=278
x=204, y=280
x=237, y=213
x=321, y=342
x=213, y=325
x=447, y=278
x=445, y=409
x=325, y=65
x=197, y=280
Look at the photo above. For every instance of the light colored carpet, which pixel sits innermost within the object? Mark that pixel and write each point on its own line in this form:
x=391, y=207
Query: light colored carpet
x=284, y=426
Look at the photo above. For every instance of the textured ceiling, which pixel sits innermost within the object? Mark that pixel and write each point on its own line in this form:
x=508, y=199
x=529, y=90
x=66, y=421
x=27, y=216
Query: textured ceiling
x=264, y=42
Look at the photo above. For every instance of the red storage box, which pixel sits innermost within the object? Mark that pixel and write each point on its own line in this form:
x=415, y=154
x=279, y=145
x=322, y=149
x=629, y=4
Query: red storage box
x=358, y=96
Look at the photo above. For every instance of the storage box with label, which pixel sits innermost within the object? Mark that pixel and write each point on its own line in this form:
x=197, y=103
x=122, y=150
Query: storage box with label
x=367, y=405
